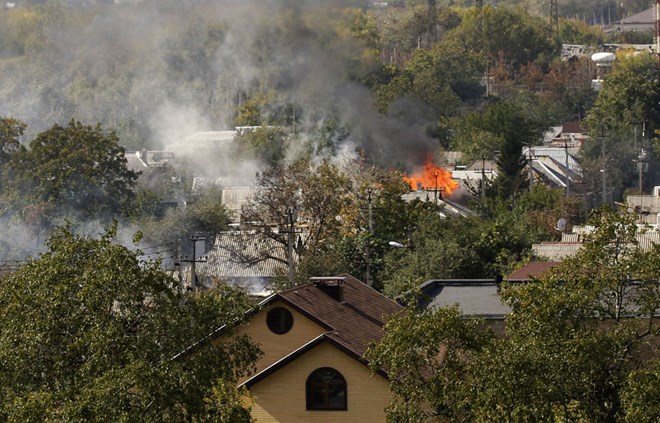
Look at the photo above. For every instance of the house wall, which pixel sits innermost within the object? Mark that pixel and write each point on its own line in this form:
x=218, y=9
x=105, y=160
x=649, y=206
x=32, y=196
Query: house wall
x=281, y=396
x=276, y=346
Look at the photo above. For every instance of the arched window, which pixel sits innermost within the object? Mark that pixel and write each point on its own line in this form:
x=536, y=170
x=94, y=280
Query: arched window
x=326, y=390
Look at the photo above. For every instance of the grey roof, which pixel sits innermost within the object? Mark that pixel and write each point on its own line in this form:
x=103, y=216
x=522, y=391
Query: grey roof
x=475, y=297
x=218, y=140
x=244, y=254
x=557, y=154
x=644, y=17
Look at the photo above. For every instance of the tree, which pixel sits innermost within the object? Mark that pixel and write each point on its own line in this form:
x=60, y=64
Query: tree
x=204, y=214
x=576, y=338
x=628, y=103
x=514, y=128
x=581, y=344
x=299, y=195
x=506, y=33
x=265, y=143
x=11, y=131
x=91, y=332
x=76, y=170
x=426, y=355
x=630, y=95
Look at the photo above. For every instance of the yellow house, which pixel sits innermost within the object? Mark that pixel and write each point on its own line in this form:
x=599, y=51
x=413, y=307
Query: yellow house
x=313, y=338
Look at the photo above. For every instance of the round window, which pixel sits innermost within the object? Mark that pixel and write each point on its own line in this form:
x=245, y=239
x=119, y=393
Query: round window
x=279, y=320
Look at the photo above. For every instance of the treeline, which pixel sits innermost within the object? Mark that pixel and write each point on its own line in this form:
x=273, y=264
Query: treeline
x=130, y=66
x=395, y=84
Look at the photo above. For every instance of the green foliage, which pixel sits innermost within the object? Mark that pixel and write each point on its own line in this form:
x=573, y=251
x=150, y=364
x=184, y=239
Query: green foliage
x=100, y=335
x=428, y=352
x=577, y=32
x=509, y=32
x=204, y=214
x=11, y=131
x=266, y=143
x=575, y=336
x=501, y=131
x=630, y=94
x=640, y=399
x=580, y=343
x=76, y=170
x=485, y=246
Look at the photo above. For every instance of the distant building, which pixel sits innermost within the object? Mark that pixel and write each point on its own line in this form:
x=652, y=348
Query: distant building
x=647, y=207
x=570, y=135
x=572, y=242
x=641, y=21
x=553, y=166
x=246, y=259
x=204, y=142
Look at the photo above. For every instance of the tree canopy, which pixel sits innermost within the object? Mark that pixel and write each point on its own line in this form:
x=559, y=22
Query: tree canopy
x=77, y=170
x=580, y=343
x=92, y=332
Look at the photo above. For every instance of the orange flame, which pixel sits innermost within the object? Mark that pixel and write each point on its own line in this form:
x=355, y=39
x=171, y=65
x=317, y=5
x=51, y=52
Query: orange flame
x=426, y=178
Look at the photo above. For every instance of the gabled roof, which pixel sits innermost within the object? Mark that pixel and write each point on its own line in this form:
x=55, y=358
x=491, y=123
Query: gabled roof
x=324, y=337
x=558, y=154
x=531, y=270
x=354, y=322
x=645, y=17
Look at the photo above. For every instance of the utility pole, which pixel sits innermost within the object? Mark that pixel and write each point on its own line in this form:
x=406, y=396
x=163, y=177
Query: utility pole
x=177, y=264
x=193, y=272
x=568, y=170
x=435, y=191
x=483, y=178
x=554, y=18
x=370, y=226
x=529, y=167
x=291, y=231
x=604, y=169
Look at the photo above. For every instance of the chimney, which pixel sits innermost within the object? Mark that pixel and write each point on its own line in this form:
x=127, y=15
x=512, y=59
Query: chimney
x=331, y=285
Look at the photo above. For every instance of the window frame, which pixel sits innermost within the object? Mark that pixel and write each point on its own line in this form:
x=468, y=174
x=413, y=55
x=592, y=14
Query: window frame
x=337, y=380
x=273, y=322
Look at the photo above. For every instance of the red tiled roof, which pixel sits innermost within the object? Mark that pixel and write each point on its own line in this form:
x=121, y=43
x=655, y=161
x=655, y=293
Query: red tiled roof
x=354, y=322
x=532, y=270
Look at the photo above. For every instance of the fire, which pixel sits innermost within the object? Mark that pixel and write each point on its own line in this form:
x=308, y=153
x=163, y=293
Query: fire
x=426, y=178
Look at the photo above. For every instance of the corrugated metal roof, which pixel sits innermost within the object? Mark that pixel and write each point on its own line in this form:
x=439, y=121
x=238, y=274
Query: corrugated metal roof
x=558, y=154
x=556, y=251
x=244, y=254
